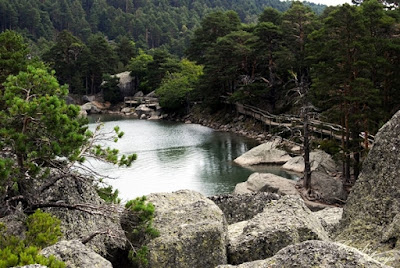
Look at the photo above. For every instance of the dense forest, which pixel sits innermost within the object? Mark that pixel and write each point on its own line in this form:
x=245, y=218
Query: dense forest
x=341, y=66
x=155, y=23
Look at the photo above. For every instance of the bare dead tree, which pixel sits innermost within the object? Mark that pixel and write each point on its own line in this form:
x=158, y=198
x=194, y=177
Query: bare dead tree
x=301, y=92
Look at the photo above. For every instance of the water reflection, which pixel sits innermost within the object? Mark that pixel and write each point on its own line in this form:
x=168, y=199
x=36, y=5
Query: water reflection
x=173, y=156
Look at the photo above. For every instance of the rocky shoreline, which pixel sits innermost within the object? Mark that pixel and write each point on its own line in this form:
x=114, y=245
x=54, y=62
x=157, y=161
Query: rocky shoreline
x=246, y=230
x=222, y=121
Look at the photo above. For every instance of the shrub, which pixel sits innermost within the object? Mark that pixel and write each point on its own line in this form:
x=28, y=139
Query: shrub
x=43, y=230
x=108, y=194
x=144, y=213
x=331, y=147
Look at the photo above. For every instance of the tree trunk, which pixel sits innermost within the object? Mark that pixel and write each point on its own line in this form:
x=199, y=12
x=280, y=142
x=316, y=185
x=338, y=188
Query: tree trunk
x=347, y=146
x=307, y=166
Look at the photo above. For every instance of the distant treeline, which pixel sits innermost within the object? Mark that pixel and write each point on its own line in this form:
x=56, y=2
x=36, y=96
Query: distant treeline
x=152, y=23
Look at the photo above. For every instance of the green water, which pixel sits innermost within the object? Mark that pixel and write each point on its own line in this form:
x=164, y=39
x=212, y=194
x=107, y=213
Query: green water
x=173, y=156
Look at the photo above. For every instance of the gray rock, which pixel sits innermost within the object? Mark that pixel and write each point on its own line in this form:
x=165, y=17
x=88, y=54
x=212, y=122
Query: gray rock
x=322, y=254
x=283, y=222
x=328, y=189
x=241, y=207
x=324, y=177
x=144, y=110
x=329, y=218
x=83, y=113
x=125, y=84
x=86, y=107
x=90, y=108
x=76, y=255
x=139, y=94
x=154, y=117
x=127, y=110
x=192, y=231
x=15, y=224
x=266, y=153
x=152, y=94
x=267, y=182
x=78, y=224
x=318, y=160
x=391, y=257
x=87, y=98
x=372, y=213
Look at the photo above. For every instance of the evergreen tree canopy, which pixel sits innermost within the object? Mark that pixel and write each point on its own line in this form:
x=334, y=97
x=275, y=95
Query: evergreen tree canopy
x=40, y=132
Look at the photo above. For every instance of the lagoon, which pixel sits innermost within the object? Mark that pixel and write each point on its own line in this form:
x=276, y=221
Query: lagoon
x=174, y=156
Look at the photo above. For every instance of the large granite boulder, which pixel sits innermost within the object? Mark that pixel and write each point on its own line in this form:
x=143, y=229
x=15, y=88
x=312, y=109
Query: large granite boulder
x=319, y=160
x=89, y=108
x=82, y=213
x=15, y=224
x=372, y=213
x=283, y=222
x=192, y=231
x=266, y=182
x=75, y=255
x=391, y=258
x=242, y=207
x=266, y=153
x=326, y=188
x=321, y=254
x=325, y=180
x=126, y=83
x=329, y=218
x=88, y=98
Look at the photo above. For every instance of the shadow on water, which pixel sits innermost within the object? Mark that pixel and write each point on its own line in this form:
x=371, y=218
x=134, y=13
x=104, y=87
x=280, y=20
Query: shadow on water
x=172, y=154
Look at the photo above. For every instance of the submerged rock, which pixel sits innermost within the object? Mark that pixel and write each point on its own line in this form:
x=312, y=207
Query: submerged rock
x=192, y=231
x=75, y=255
x=372, y=213
x=321, y=254
x=266, y=153
x=241, y=207
x=283, y=222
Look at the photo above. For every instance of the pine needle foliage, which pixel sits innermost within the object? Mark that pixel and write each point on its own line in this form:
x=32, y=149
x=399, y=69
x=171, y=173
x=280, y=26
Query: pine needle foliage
x=43, y=231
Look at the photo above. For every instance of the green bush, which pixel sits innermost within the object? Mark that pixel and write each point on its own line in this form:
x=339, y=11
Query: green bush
x=43, y=230
x=331, y=147
x=108, y=194
x=144, y=230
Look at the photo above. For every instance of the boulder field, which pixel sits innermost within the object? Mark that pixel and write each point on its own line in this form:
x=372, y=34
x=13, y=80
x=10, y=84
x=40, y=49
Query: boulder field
x=325, y=181
x=252, y=229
